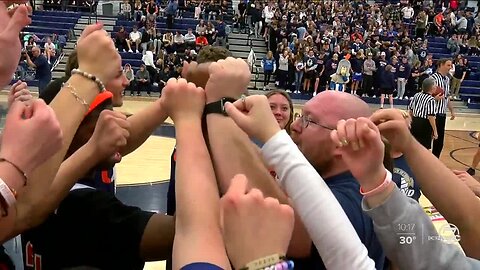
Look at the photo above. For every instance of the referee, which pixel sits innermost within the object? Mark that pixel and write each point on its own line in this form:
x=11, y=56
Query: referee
x=422, y=110
x=442, y=102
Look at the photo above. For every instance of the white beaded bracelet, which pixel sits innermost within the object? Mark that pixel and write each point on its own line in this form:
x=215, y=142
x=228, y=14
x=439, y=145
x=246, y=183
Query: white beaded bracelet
x=89, y=76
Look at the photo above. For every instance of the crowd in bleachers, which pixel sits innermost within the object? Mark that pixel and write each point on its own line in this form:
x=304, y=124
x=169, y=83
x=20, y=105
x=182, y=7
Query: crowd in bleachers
x=49, y=32
x=266, y=192
x=156, y=39
x=70, y=5
x=309, y=40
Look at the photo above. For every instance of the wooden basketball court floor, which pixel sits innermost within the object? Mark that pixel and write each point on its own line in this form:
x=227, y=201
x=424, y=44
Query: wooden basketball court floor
x=142, y=177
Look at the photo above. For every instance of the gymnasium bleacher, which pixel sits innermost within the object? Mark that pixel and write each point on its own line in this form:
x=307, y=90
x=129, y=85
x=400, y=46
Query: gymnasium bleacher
x=180, y=24
x=46, y=23
x=470, y=88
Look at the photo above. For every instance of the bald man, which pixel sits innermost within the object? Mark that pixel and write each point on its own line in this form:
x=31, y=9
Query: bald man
x=42, y=68
x=311, y=133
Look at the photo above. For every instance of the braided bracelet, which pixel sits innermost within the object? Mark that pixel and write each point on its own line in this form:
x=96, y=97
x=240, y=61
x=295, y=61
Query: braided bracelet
x=284, y=265
x=272, y=262
x=89, y=76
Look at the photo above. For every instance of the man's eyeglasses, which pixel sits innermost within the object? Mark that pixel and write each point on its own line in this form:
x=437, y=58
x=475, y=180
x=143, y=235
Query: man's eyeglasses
x=306, y=121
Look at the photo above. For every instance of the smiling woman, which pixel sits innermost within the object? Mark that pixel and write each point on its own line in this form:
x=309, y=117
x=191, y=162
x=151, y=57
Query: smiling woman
x=282, y=108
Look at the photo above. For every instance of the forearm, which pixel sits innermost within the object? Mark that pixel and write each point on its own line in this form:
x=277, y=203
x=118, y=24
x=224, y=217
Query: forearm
x=450, y=106
x=196, y=189
x=336, y=240
x=14, y=180
x=431, y=120
x=69, y=112
x=143, y=124
x=30, y=63
x=399, y=220
x=72, y=169
x=198, y=201
x=227, y=140
x=451, y=197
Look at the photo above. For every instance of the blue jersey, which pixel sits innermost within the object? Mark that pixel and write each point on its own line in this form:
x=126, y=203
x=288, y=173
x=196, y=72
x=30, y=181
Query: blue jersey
x=405, y=179
x=103, y=180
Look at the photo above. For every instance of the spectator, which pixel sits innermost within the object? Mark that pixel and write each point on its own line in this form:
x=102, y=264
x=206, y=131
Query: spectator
x=369, y=67
x=403, y=73
x=282, y=71
x=201, y=41
x=42, y=68
x=148, y=35
x=387, y=85
x=168, y=42
x=142, y=79
x=408, y=13
x=190, y=38
x=171, y=12
x=50, y=49
x=300, y=67
x=152, y=11
x=128, y=71
x=221, y=33
x=163, y=77
x=457, y=78
x=121, y=38
x=150, y=63
x=201, y=28
x=30, y=43
x=453, y=45
x=135, y=38
x=126, y=10
x=138, y=10
x=269, y=67
x=178, y=42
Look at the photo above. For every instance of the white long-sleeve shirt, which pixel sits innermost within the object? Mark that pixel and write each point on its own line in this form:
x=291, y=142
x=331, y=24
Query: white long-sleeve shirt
x=335, y=238
x=148, y=59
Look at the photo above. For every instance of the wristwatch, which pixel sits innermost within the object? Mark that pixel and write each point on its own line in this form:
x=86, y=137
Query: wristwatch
x=218, y=106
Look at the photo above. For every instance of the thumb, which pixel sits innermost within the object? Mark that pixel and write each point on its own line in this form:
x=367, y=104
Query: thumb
x=90, y=29
x=18, y=21
x=36, y=108
x=237, y=116
x=238, y=185
x=17, y=111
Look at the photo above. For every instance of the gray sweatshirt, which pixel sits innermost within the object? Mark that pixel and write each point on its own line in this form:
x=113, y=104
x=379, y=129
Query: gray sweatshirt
x=399, y=218
x=369, y=67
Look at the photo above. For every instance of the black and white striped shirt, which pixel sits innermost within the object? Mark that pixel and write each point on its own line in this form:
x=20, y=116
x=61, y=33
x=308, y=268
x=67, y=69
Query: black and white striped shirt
x=423, y=105
x=444, y=83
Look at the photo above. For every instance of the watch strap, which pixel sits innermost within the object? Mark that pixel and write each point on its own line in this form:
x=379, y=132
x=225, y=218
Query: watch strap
x=218, y=106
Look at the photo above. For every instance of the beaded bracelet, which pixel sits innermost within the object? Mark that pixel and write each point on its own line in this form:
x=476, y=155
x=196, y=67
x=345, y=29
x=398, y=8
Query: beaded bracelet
x=272, y=262
x=284, y=265
x=89, y=76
